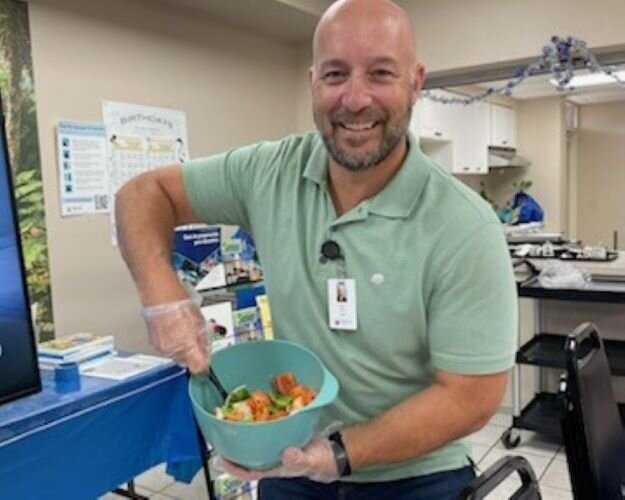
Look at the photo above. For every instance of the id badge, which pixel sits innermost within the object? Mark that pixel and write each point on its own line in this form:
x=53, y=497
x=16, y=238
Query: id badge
x=342, y=304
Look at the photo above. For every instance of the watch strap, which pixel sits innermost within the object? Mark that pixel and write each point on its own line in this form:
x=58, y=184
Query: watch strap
x=340, y=454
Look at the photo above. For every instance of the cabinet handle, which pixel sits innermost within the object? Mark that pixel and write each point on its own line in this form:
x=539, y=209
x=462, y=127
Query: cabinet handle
x=504, y=142
x=466, y=169
x=438, y=134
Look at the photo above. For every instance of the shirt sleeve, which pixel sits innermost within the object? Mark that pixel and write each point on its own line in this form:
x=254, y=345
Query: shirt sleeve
x=219, y=187
x=473, y=311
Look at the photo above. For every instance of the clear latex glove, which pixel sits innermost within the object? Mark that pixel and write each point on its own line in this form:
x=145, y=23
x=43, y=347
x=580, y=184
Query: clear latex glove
x=178, y=330
x=315, y=461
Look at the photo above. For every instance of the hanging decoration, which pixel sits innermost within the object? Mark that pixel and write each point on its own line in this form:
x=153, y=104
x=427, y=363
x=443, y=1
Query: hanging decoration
x=561, y=57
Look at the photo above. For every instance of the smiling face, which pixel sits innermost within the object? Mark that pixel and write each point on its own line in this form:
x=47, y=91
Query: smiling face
x=364, y=81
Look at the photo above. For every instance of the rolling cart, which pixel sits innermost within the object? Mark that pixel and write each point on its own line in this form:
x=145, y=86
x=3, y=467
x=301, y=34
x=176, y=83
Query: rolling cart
x=546, y=350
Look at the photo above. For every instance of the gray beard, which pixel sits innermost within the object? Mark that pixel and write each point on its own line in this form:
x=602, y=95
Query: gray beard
x=359, y=163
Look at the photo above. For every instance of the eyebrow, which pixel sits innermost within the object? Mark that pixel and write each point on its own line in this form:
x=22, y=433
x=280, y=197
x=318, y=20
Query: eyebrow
x=375, y=60
x=384, y=60
x=332, y=63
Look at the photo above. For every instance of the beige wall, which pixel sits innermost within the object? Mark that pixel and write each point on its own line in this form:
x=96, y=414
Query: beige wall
x=601, y=172
x=304, y=104
x=234, y=88
x=541, y=138
x=499, y=31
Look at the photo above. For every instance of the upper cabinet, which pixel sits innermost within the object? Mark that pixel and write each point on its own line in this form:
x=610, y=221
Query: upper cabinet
x=471, y=136
x=503, y=126
x=458, y=136
x=433, y=120
x=454, y=135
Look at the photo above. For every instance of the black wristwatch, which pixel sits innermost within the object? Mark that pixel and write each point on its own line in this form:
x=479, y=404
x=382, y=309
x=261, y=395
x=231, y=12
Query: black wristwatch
x=340, y=455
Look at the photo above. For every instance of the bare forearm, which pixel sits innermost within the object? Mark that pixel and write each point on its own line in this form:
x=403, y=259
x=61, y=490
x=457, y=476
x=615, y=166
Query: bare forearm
x=420, y=424
x=146, y=219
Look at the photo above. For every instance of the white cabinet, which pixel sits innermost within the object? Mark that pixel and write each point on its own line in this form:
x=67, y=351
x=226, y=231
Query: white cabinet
x=502, y=126
x=433, y=120
x=471, y=135
x=454, y=135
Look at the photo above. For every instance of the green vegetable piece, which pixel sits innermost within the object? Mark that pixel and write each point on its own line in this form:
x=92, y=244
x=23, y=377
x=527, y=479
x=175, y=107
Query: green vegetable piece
x=237, y=394
x=280, y=401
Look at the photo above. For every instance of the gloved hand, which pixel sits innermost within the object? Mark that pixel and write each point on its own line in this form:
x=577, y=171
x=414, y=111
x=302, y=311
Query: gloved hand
x=315, y=461
x=178, y=330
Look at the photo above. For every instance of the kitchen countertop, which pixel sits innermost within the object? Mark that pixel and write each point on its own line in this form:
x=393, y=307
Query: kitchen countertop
x=598, y=270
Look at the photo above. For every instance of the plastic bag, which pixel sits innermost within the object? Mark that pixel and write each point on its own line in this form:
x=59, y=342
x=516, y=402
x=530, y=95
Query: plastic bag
x=529, y=209
x=563, y=275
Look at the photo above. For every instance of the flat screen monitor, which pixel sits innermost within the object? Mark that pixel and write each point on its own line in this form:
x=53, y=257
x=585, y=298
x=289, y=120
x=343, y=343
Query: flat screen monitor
x=19, y=373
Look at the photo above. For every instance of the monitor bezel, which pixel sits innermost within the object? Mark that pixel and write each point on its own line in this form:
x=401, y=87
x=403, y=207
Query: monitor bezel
x=36, y=387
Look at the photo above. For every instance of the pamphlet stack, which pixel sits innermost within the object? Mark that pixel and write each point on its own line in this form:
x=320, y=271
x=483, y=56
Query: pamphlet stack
x=81, y=348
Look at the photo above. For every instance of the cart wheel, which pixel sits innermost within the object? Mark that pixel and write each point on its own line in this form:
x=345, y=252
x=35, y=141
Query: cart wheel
x=508, y=441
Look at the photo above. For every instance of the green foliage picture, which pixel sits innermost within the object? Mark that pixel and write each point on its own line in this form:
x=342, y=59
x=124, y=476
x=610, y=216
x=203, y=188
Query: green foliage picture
x=18, y=99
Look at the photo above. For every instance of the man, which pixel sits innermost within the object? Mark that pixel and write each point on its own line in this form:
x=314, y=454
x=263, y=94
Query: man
x=422, y=357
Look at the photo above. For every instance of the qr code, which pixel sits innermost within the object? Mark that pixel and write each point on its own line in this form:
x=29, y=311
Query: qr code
x=101, y=202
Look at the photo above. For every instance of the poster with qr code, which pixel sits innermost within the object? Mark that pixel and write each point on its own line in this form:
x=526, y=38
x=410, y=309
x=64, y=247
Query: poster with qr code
x=83, y=173
x=139, y=139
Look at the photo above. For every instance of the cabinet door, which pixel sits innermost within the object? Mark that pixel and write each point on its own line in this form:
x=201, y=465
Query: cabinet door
x=471, y=138
x=433, y=120
x=503, y=126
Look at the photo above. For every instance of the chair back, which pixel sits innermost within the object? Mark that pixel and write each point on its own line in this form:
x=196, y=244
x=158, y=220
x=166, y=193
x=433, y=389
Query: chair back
x=593, y=433
x=484, y=484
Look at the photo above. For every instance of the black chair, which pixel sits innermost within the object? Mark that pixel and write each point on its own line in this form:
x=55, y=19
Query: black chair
x=593, y=433
x=503, y=468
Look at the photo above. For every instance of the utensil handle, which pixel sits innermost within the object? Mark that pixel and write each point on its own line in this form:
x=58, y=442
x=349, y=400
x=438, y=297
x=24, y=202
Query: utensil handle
x=212, y=376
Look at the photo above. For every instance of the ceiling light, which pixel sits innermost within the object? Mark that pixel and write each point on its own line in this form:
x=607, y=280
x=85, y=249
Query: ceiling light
x=591, y=79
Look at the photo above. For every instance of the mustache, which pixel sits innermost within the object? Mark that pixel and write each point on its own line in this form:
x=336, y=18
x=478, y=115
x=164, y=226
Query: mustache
x=367, y=115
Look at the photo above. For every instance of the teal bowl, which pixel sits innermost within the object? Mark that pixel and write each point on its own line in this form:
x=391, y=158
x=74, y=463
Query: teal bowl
x=255, y=363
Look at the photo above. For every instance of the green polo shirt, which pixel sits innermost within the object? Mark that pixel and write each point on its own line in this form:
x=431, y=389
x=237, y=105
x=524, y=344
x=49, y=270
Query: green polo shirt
x=434, y=283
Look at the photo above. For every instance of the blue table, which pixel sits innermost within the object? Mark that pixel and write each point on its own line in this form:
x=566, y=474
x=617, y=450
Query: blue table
x=82, y=444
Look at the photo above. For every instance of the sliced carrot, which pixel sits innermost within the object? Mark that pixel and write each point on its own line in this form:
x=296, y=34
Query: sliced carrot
x=284, y=383
x=303, y=392
x=261, y=398
x=278, y=414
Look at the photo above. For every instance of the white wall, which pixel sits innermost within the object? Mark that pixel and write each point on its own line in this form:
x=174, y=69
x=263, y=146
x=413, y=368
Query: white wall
x=235, y=89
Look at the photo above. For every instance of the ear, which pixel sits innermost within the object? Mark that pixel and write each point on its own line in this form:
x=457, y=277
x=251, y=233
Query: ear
x=418, y=78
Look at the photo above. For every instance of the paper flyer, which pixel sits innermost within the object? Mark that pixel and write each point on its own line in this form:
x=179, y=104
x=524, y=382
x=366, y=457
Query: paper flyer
x=120, y=368
x=82, y=166
x=139, y=139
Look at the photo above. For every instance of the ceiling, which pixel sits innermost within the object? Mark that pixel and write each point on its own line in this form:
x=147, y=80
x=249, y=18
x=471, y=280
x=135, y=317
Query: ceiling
x=290, y=21
x=538, y=86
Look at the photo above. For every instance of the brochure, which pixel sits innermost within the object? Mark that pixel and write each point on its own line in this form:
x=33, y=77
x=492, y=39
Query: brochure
x=73, y=344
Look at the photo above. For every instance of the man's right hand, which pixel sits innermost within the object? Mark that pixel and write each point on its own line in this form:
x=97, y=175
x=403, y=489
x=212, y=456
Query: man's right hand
x=178, y=330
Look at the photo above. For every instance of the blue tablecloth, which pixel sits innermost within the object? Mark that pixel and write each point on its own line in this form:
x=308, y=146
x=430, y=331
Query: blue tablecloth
x=84, y=443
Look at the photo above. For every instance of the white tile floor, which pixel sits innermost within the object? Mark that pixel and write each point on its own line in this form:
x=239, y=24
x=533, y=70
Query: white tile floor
x=547, y=459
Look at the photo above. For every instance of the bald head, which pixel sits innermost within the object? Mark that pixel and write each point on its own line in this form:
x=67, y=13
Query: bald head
x=364, y=81
x=362, y=20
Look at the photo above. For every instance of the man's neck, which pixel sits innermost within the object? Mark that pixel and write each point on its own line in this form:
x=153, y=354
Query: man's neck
x=348, y=188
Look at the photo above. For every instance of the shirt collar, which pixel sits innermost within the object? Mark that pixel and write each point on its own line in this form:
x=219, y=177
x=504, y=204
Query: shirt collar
x=398, y=197
x=317, y=166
